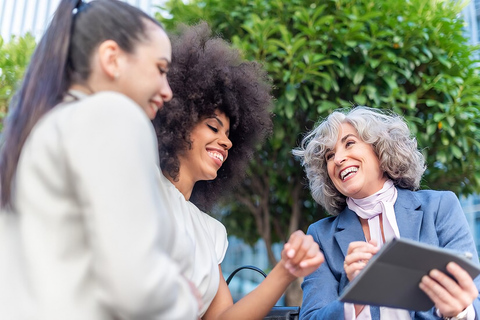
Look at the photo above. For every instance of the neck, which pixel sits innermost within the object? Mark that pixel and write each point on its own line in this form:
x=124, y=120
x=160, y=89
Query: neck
x=183, y=185
x=82, y=88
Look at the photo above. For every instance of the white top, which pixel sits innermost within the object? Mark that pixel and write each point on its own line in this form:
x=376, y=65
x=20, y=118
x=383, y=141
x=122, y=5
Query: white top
x=96, y=227
x=209, y=238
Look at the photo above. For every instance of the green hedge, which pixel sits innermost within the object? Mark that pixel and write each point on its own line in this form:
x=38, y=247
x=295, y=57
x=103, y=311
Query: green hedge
x=14, y=58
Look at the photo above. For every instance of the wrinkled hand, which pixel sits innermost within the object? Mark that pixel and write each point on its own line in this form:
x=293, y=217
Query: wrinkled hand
x=358, y=255
x=450, y=297
x=301, y=255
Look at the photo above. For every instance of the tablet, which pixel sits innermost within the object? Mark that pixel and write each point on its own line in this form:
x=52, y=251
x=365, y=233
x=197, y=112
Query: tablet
x=392, y=276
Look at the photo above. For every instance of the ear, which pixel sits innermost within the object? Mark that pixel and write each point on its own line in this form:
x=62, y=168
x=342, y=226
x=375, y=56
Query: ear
x=110, y=57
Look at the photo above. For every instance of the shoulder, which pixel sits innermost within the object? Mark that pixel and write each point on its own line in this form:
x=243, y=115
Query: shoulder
x=110, y=105
x=105, y=108
x=213, y=225
x=110, y=115
x=428, y=197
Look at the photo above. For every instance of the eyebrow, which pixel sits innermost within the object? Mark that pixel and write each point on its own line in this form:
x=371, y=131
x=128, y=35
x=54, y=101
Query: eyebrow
x=220, y=122
x=166, y=60
x=347, y=136
x=342, y=140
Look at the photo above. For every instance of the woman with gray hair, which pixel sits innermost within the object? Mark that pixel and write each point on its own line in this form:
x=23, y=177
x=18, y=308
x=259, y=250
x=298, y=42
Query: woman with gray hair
x=364, y=166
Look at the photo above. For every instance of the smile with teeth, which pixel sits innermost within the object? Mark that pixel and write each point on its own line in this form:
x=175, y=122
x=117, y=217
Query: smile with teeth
x=154, y=106
x=216, y=155
x=345, y=173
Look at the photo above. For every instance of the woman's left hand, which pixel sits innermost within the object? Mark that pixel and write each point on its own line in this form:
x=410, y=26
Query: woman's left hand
x=301, y=254
x=450, y=297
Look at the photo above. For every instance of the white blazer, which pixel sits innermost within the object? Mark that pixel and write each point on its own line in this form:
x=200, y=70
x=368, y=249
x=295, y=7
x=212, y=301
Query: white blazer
x=93, y=235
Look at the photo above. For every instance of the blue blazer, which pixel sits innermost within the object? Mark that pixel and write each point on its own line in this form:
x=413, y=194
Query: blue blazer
x=432, y=217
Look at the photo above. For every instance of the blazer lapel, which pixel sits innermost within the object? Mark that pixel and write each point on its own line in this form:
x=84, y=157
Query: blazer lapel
x=409, y=220
x=409, y=214
x=349, y=229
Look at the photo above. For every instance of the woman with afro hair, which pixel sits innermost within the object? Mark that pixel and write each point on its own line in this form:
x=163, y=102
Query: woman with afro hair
x=206, y=136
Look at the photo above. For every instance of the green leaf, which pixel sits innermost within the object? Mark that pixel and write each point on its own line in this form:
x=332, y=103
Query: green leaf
x=431, y=128
x=326, y=106
x=360, y=99
x=457, y=153
x=437, y=117
x=359, y=75
x=444, y=61
x=289, y=110
x=291, y=92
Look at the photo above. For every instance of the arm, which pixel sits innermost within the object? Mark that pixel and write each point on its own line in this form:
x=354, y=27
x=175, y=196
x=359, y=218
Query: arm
x=452, y=297
x=113, y=161
x=300, y=256
x=321, y=288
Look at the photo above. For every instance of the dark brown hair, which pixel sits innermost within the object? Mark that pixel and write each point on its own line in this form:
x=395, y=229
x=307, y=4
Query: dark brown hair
x=62, y=58
x=206, y=75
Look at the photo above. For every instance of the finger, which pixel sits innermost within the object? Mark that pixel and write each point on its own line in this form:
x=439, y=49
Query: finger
x=307, y=266
x=447, y=303
x=358, y=265
x=439, y=284
x=358, y=256
x=464, y=281
x=353, y=269
x=307, y=244
x=312, y=257
x=315, y=261
x=356, y=273
x=286, y=248
x=463, y=290
x=295, y=241
x=355, y=245
x=362, y=247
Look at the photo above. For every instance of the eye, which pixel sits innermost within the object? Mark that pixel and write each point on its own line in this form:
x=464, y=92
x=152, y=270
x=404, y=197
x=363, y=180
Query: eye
x=162, y=70
x=328, y=156
x=212, y=128
x=349, y=143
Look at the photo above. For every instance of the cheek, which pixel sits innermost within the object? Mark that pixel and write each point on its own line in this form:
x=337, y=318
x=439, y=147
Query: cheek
x=331, y=170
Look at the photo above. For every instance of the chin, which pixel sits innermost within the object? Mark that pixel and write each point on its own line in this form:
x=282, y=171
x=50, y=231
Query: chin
x=213, y=177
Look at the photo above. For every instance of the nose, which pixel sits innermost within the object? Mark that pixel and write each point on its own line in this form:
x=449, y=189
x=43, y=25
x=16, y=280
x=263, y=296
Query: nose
x=165, y=90
x=225, y=142
x=339, y=158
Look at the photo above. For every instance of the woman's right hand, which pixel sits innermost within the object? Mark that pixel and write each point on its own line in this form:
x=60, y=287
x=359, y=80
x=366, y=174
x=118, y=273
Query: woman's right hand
x=301, y=254
x=358, y=255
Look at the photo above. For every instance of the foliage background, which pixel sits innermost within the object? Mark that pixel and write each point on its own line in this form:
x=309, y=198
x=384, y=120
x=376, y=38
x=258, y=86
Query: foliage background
x=410, y=56
x=14, y=57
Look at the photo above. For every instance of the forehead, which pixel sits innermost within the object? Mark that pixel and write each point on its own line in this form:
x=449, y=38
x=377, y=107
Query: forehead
x=223, y=118
x=158, y=43
x=346, y=129
x=333, y=134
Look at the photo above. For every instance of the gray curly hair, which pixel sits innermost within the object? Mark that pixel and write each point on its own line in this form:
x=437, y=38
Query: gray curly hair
x=392, y=142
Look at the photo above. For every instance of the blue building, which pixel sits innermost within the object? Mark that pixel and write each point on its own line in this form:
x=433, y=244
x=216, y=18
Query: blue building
x=20, y=16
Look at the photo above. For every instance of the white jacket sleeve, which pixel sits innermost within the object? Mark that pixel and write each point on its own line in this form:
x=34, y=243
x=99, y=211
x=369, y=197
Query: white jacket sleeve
x=114, y=165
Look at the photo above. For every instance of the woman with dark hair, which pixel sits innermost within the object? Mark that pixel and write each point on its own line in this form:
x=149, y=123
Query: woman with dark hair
x=207, y=135
x=363, y=166
x=80, y=173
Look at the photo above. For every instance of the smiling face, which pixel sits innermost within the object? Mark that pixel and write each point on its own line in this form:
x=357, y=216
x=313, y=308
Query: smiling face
x=353, y=166
x=210, y=145
x=143, y=74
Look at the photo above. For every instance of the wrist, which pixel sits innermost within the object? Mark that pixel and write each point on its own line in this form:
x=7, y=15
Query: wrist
x=287, y=273
x=461, y=316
